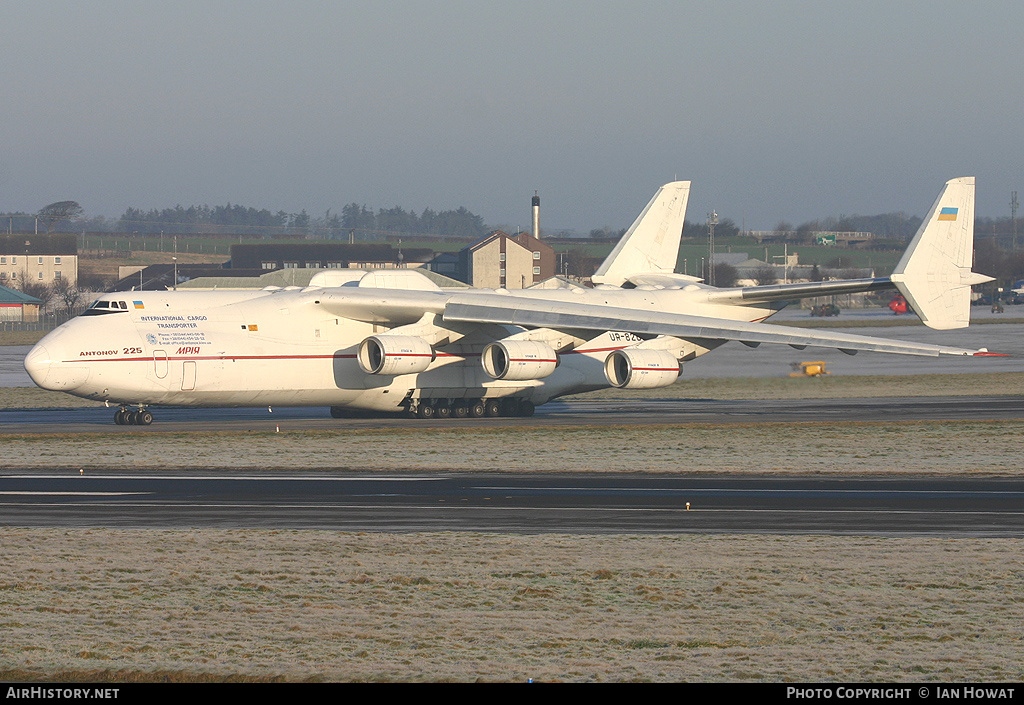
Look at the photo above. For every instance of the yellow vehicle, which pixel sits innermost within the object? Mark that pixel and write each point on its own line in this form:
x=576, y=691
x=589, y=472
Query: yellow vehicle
x=808, y=369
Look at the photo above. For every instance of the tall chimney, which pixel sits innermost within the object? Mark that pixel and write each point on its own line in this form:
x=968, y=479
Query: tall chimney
x=536, y=215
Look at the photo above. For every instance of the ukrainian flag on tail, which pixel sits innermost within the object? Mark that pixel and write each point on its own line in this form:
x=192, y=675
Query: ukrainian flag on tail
x=948, y=214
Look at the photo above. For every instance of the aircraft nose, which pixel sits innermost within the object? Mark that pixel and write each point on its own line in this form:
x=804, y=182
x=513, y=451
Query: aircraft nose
x=37, y=364
x=49, y=373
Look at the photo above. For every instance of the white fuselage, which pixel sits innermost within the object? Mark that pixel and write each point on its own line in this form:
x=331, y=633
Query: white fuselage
x=287, y=348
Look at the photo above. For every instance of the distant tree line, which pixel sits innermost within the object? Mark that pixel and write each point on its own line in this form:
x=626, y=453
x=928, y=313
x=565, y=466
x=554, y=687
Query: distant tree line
x=726, y=227
x=607, y=233
x=204, y=218
x=458, y=223
x=887, y=227
x=233, y=218
x=67, y=216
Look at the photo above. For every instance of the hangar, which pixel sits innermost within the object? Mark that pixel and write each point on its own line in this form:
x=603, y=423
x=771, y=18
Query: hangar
x=18, y=307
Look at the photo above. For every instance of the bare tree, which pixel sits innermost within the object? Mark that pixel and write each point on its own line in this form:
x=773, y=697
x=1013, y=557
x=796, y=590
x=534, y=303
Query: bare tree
x=577, y=263
x=69, y=295
x=43, y=292
x=783, y=228
x=725, y=275
x=765, y=275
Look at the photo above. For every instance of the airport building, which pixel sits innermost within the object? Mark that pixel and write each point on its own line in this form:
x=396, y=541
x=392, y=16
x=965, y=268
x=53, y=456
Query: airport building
x=18, y=307
x=41, y=259
x=323, y=255
x=498, y=260
x=505, y=261
x=159, y=277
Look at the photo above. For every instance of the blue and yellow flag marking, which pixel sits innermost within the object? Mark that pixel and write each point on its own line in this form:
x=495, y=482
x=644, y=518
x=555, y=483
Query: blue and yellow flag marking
x=948, y=213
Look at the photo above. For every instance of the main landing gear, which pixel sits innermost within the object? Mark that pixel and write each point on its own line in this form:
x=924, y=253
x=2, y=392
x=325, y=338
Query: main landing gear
x=129, y=417
x=472, y=408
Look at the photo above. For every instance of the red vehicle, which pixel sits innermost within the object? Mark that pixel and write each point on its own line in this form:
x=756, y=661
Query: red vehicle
x=899, y=305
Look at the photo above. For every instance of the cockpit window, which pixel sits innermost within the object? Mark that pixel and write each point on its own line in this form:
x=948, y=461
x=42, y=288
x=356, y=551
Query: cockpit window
x=101, y=307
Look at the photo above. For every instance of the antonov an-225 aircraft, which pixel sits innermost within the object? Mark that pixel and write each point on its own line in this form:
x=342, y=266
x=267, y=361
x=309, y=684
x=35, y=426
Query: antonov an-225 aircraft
x=392, y=340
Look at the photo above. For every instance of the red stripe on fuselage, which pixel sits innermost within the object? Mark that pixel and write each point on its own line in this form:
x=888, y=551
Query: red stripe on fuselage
x=150, y=358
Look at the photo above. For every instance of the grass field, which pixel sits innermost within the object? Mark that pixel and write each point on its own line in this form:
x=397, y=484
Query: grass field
x=890, y=447
x=193, y=605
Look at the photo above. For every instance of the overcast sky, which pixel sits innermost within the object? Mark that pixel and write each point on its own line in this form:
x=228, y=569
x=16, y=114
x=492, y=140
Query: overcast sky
x=775, y=110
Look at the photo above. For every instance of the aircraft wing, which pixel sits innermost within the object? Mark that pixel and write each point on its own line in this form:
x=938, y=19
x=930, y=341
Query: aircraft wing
x=528, y=313
x=391, y=306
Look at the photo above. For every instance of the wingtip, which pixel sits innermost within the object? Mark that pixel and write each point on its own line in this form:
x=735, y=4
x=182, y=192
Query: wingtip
x=986, y=353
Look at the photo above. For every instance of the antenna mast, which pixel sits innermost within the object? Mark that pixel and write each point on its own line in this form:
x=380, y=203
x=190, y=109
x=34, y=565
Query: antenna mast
x=1013, y=216
x=712, y=222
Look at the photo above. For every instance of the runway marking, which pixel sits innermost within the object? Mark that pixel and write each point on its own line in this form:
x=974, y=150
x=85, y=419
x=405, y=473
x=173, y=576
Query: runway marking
x=246, y=478
x=725, y=490
x=72, y=494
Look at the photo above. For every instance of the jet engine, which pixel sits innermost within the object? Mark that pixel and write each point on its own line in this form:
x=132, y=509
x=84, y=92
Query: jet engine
x=394, y=355
x=519, y=359
x=641, y=368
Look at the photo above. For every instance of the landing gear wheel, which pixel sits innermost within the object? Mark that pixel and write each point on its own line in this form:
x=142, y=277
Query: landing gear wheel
x=526, y=408
x=492, y=407
x=143, y=418
x=119, y=417
x=443, y=411
x=477, y=409
x=460, y=410
x=425, y=411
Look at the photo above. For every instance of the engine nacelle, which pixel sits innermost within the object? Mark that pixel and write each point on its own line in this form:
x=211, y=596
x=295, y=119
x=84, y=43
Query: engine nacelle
x=394, y=355
x=519, y=359
x=640, y=368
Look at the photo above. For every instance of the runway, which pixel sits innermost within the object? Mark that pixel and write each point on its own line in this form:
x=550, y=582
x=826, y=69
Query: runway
x=553, y=503
x=644, y=412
